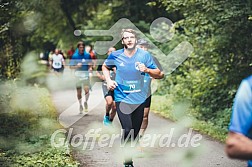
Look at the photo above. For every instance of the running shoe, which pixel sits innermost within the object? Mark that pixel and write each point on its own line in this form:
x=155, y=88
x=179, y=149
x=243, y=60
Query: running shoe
x=86, y=106
x=106, y=120
x=128, y=164
x=81, y=109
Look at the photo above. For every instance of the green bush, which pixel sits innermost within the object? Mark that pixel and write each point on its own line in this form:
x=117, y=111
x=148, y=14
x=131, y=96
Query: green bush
x=216, y=127
x=26, y=128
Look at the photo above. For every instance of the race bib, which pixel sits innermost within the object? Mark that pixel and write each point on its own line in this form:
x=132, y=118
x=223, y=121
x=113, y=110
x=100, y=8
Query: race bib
x=57, y=64
x=131, y=86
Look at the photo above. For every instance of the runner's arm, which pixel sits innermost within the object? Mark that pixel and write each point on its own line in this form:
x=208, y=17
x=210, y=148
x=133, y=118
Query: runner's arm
x=94, y=63
x=63, y=61
x=90, y=66
x=238, y=146
x=160, y=75
x=106, y=72
x=99, y=74
x=159, y=67
x=78, y=65
x=73, y=64
x=151, y=68
x=155, y=73
x=111, y=84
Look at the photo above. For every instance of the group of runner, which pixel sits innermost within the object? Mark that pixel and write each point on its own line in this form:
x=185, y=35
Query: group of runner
x=82, y=60
x=126, y=74
x=134, y=68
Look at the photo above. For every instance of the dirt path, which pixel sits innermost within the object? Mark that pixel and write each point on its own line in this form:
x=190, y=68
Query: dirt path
x=95, y=145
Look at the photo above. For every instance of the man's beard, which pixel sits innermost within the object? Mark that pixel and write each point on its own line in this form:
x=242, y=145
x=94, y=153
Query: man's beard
x=130, y=49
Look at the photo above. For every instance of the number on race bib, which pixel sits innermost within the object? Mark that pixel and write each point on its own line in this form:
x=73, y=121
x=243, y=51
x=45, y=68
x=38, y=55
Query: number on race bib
x=131, y=86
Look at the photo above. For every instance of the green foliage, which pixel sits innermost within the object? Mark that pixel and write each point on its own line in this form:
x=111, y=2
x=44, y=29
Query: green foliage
x=28, y=118
x=166, y=107
x=219, y=32
x=28, y=25
x=49, y=157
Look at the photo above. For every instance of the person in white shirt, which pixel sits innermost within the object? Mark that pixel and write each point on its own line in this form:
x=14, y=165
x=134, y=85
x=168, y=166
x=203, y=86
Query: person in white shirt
x=57, y=61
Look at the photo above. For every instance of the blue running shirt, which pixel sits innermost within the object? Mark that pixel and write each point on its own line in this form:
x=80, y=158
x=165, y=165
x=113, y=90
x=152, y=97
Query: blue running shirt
x=241, y=120
x=131, y=88
x=85, y=59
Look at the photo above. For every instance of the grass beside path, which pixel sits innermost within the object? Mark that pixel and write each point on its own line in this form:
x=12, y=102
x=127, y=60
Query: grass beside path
x=28, y=119
x=164, y=106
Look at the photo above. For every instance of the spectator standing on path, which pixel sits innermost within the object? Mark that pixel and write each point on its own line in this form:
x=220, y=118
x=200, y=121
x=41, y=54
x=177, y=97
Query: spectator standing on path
x=57, y=61
x=82, y=63
x=131, y=65
x=239, y=141
x=108, y=94
x=143, y=44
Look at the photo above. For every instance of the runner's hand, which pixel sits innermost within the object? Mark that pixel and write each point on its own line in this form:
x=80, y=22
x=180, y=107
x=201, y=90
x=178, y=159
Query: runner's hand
x=142, y=67
x=103, y=78
x=79, y=65
x=111, y=85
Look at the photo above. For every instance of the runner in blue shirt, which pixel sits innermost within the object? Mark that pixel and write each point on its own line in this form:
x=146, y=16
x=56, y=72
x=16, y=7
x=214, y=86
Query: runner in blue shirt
x=131, y=65
x=239, y=143
x=82, y=63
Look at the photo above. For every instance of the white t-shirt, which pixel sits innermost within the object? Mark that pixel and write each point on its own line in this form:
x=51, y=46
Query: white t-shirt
x=57, y=61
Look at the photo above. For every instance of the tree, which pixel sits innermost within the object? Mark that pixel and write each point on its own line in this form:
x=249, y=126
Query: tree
x=220, y=34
